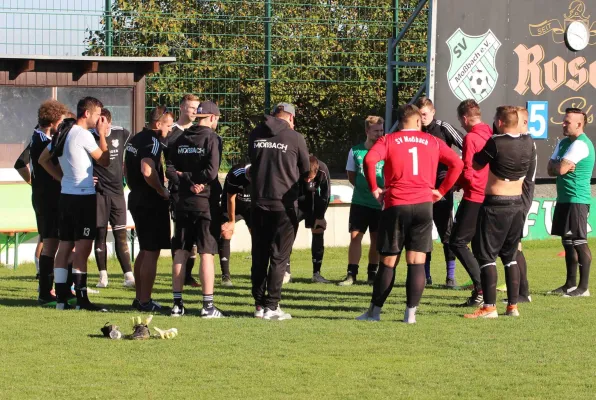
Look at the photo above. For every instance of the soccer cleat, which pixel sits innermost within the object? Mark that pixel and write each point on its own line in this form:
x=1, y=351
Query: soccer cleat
x=212, y=312
x=287, y=278
x=259, y=312
x=372, y=314
x=278, y=314
x=141, y=332
x=92, y=291
x=178, y=310
x=49, y=301
x=371, y=278
x=136, y=304
x=483, y=312
x=578, y=293
x=88, y=306
x=318, y=278
x=512, y=311
x=129, y=283
x=102, y=284
x=502, y=288
x=150, y=306
x=192, y=282
x=349, y=281
x=450, y=283
x=410, y=315
x=63, y=306
x=226, y=281
x=562, y=290
x=475, y=300
x=429, y=281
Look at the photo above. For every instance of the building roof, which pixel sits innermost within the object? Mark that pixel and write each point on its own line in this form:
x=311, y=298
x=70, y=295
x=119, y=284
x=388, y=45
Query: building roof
x=81, y=65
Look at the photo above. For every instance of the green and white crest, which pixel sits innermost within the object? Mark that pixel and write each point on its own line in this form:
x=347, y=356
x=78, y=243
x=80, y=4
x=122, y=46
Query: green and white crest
x=472, y=73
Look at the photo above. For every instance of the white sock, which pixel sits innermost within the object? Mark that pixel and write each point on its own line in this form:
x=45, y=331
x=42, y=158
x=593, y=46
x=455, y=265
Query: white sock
x=60, y=275
x=37, y=264
x=129, y=276
x=103, y=276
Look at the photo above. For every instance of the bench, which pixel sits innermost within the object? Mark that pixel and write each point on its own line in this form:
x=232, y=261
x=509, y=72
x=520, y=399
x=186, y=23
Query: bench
x=18, y=224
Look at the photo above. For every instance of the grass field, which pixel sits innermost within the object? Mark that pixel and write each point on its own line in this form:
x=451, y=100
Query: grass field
x=549, y=352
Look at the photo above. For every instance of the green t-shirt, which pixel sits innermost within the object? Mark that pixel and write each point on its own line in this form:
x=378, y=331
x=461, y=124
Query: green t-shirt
x=574, y=187
x=362, y=195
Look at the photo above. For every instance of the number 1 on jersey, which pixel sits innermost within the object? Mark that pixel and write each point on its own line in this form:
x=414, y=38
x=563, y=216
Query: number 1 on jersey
x=414, y=151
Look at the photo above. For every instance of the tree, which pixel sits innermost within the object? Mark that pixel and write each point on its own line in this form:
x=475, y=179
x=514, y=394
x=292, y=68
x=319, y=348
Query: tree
x=328, y=58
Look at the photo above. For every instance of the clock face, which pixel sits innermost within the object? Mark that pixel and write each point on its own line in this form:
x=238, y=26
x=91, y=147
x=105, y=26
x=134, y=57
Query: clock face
x=577, y=36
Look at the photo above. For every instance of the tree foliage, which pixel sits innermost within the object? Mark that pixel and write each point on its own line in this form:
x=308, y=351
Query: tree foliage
x=328, y=57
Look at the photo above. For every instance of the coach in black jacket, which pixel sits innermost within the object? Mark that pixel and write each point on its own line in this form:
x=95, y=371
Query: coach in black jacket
x=442, y=209
x=196, y=157
x=279, y=159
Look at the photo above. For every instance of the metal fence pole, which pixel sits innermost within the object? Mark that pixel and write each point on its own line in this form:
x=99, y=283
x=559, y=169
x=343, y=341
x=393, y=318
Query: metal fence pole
x=267, y=56
x=109, y=32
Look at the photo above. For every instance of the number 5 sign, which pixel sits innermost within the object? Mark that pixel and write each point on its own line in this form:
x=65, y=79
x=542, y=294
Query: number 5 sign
x=538, y=119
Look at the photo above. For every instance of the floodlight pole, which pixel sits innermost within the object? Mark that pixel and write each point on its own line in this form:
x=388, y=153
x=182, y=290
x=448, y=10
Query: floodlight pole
x=109, y=32
x=267, y=56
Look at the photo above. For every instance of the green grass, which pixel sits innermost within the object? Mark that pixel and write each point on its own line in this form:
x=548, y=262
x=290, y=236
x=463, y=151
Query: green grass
x=322, y=353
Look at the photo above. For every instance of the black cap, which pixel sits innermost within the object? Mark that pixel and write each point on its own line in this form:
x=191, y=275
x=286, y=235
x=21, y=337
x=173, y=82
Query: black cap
x=207, y=108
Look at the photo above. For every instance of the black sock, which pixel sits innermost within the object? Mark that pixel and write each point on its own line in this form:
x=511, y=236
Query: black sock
x=427, y=265
x=383, y=284
x=584, y=257
x=177, y=298
x=224, y=256
x=101, y=256
x=353, y=270
x=317, y=251
x=122, y=252
x=207, y=301
x=190, y=263
x=512, y=280
x=46, y=275
x=70, y=278
x=571, y=264
x=415, y=282
x=524, y=287
x=372, y=269
x=80, y=281
x=488, y=276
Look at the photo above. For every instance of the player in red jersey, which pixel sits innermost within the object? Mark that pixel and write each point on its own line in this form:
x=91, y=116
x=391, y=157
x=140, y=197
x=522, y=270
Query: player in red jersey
x=411, y=160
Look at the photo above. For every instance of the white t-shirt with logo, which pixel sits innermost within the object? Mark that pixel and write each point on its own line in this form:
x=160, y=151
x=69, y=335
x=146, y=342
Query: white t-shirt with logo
x=76, y=162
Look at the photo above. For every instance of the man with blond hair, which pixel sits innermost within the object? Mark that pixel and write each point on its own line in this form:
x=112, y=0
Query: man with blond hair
x=365, y=210
x=188, y=115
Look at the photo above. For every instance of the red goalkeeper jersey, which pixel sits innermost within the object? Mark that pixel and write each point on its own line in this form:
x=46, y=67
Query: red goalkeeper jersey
x=411, y=161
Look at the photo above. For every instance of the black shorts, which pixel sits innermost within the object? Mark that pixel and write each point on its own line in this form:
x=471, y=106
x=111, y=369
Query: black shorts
x=363, y=218
x=112, y=209
x=409, y=226
x=571, y=220
x=196, y=229
x=47, y=214
x=464, y=224
x=152, y=225
x=499, y=227
x=242, y=214
x=307, y=217
x=77, y=217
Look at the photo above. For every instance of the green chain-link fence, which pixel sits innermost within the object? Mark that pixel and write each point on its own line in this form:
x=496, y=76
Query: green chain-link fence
x=326, y=56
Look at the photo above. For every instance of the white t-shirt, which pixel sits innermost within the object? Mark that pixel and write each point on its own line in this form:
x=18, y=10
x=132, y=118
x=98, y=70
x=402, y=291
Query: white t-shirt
x=575, y=153
x=351, y=165
x=76, y=162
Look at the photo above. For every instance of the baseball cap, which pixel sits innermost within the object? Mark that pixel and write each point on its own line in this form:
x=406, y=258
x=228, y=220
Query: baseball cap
x=287, y=107
x=207, y=108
